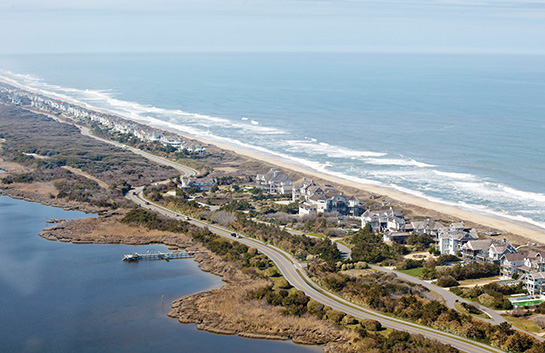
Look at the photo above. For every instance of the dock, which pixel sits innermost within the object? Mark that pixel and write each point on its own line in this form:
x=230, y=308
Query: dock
x=158, y=255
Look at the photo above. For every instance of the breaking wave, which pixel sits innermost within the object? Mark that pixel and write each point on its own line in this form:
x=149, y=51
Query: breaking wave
x=381, y=168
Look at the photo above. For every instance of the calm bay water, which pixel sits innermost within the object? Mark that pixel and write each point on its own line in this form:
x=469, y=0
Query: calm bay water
x=57, y=297
x=464, y=130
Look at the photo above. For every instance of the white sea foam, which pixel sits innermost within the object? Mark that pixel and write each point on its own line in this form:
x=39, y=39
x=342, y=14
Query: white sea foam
x=104, y=100
x=457, y=176
x=311, y=146
x=398, y=162
x=478, y=195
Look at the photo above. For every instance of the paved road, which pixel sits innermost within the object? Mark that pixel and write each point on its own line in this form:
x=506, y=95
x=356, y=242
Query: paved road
x=449, y=297
x=295, y=274
x=293, y=271
x=160, y=160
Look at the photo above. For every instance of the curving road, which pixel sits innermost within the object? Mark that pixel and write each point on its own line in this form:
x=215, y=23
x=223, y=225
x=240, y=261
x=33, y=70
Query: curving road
x=292, y=270
x=296, y=275
x=450, y=298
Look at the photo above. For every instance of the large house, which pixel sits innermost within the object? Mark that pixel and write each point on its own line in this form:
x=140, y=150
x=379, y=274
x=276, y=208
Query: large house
x=535, y=283
x=383, y=220
x=522, y=263
x=428, y=227
x=452, y=239
x=398, y=237
x=486, y=250
x=202, y=184
x=511, y=263
x=274, y=181
x=315, y=199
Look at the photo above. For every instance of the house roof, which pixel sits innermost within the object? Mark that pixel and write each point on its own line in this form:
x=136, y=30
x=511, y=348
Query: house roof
x=534, y=254
x=514, y=257
x=427, y=224
x=478, y=245
x=274, y=176
x=537, y=275
x=459, y=235
x=500, y=248
x=457, y=225
x=317, y=197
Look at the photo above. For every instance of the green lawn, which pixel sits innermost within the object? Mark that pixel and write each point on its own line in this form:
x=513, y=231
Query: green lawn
x=415, y=272
x=522, y=323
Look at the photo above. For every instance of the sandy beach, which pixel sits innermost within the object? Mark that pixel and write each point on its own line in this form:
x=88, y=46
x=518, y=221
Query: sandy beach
x=503, y=225
x=528, y=231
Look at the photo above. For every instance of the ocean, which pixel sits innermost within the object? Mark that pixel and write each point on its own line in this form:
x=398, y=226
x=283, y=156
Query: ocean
x=463, y=130
x=63, y=298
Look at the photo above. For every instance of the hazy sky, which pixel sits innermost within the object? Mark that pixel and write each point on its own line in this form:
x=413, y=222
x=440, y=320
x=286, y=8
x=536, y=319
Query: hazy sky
x=60, y=26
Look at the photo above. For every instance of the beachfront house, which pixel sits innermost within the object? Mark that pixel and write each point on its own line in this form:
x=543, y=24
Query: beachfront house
x=428, y=227
x=383, y=220
x=194, y=149
x=316, y=199
x=453, y=238
x=172, y=140
x=522, y=263
x=274, y=182
x=486, y=250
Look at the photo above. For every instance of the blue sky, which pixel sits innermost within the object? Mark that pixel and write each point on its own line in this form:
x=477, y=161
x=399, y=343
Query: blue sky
x=440, y=26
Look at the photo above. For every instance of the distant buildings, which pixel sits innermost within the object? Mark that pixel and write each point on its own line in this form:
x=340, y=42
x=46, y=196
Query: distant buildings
x=111, y=122
x=316, y=199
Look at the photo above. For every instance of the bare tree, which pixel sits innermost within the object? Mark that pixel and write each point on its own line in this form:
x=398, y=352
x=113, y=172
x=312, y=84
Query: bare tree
x=223, y=218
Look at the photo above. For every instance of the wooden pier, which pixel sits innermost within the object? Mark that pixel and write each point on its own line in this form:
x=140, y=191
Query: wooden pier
x=158, y=255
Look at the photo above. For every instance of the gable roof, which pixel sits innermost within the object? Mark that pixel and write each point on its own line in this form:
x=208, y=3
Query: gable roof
x=514, y=257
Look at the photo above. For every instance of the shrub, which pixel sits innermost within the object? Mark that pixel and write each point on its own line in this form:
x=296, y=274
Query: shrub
x=371, y=325
x=486, y=299
x=283, y=284
x=447, y=281
x=351, y=320
x=471, y=308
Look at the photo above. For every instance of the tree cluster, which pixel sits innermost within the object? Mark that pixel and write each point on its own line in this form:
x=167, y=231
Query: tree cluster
x=370, y=247
x=296, y=244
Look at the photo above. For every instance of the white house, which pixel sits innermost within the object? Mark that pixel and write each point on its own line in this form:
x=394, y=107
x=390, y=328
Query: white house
x=535, y=283
x=313, y=198
x=382, y=220
x=451, y=242
x=274, y=181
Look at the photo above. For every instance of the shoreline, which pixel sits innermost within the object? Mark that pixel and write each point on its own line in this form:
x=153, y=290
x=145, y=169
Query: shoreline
x=503, y=224
x=506, y=225
x=201, y=308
